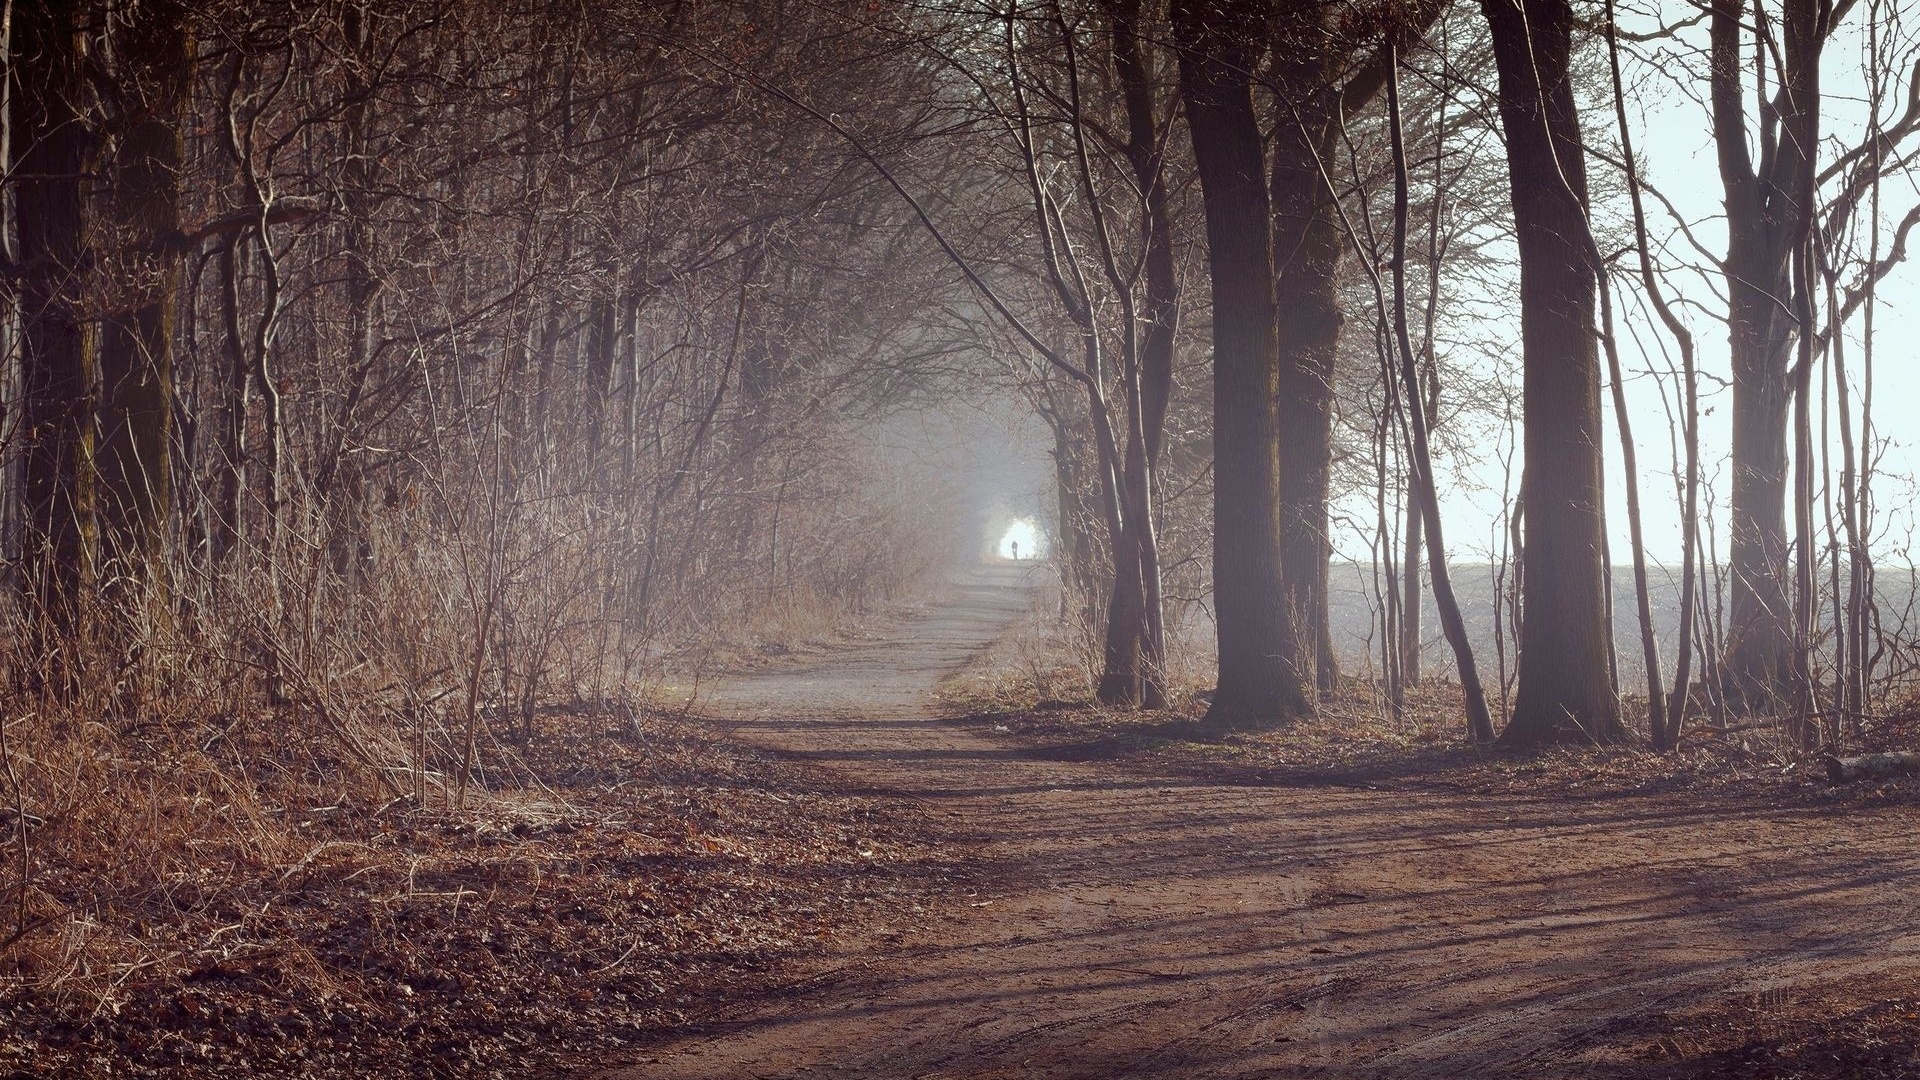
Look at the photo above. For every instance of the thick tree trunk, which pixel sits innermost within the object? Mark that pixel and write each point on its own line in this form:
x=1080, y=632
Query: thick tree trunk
x=140, y=212
x=1565, y=692
x=1768, y=217
x=1307, y=245
x=349, y=504
x=1760, y=616
x=1872, y=766
x=1312, y=54
x=57, y=370
x=1260, y=677
x=1121, y=672
x=1307, y=248
x=1076, y=536
x=1120, y=676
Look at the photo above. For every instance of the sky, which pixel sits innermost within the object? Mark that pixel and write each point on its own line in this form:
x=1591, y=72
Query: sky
x=1672, y=142
x=997, y=450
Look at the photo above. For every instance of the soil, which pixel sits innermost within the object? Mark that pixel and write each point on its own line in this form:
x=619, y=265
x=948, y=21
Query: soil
x=1122, y=918
x=626, y=873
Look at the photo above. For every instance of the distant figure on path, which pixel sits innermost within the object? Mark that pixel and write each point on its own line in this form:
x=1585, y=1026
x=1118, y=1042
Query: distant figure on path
x=1016, y=550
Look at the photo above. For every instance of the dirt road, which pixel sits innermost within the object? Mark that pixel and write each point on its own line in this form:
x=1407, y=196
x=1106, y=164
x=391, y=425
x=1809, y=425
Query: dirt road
x=1173, y=928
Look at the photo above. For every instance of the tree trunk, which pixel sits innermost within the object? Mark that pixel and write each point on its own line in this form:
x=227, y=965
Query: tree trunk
x=1565, y=693
x=1411, y=592
x=1420, y=473
x=1124, y=488
x=229, y=524
x=1260, y=678
x=1872, y=766
x=1759, y=624
x=1076, y=532
x=56, y=362
x=140, y=211
x=1310, y=56
x=1153, y=364
x=349, y=505
x=1121, y=671
x=602, y=346
x=1767, y=219
x=1312, y=53
x=1307, y=245
x=1800, y=123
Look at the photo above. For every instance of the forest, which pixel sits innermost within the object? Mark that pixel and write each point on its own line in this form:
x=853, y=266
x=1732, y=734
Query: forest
x=505, y=511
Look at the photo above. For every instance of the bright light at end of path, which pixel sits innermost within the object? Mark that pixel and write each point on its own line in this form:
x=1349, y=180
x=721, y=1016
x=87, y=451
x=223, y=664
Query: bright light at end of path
x=1022, y=541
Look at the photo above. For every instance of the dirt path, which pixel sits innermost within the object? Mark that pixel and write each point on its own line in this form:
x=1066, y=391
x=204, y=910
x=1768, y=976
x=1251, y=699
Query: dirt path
x=1172, y=928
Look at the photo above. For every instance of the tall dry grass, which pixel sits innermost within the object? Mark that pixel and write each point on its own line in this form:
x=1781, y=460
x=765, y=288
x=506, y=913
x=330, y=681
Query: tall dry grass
x=162, y=766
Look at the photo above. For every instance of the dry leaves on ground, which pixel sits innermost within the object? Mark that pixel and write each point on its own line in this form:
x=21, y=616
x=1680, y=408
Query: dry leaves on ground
x=634, y=878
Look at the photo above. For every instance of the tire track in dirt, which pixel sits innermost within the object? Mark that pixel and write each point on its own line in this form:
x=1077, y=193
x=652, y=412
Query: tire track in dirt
x=1179, y=928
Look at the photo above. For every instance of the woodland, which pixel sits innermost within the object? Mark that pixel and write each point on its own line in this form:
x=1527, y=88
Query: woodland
x=410, y=407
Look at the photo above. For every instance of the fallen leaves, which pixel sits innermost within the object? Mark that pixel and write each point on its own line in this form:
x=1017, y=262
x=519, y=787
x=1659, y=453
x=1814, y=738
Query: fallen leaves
x=591, y=910
x=1808, y=1033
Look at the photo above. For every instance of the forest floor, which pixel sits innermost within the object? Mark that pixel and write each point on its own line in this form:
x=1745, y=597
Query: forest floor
x=612, y=878
x=1336, y=900
x=892, y=856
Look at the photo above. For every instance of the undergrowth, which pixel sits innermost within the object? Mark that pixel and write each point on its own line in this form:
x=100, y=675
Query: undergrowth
x=388, y=816
x=1035, y=686
x=254, y=921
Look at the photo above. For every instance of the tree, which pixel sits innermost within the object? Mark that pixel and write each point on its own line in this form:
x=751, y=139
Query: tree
x=143, y=91
x=1261, y=678
x=1150, y=367
x=1565, y=688
x=1328, y=65
x=1423, y=492
x=98, y=243
x=56, y=366
x=1769, y=218
x=1106, y=257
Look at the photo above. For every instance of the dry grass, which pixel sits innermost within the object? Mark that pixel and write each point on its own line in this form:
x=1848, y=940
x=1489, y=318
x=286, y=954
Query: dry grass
x=267, y=923
x=1034, y=687
x=298, y=825
x=1822, y=1032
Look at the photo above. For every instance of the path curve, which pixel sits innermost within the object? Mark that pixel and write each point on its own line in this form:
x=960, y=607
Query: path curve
x=1180, y=928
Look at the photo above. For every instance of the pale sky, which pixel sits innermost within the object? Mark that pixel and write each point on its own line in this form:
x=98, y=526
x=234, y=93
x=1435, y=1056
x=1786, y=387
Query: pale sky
x=1673, y=145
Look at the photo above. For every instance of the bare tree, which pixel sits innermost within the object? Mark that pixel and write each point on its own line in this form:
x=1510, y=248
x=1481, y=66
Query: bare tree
x=1565, y=688
x=1259, y=642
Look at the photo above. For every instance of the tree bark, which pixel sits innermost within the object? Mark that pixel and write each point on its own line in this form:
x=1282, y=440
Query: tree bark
x=1260, y=677
x=1151, y=386
x=349, y=504
x=1872, y=766
x=1311, y=54
x=1077, y=534
x=1411, y=591
x=1307, y=245
x=229, y=524
x=57, y=368
x=1765, y=224
x=140, y=212
x=1565, y=693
